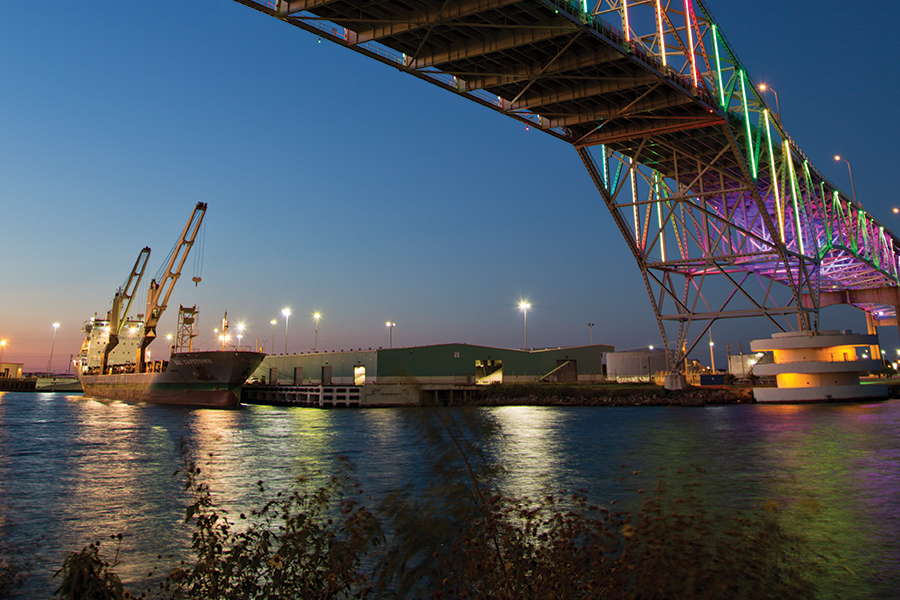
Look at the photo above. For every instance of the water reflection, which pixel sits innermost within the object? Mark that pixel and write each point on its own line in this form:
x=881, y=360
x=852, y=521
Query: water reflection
x=839, y=483
x=529, y=450
x=119, y=481
x=74, y=469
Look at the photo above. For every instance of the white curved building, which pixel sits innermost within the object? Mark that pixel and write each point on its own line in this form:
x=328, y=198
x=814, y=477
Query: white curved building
x=817, y=366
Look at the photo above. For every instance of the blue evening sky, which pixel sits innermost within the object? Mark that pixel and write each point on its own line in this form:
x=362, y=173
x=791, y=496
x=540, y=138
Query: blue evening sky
x=337, y=184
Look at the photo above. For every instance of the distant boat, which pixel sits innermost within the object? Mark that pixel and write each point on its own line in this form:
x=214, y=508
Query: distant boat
x=54, y=383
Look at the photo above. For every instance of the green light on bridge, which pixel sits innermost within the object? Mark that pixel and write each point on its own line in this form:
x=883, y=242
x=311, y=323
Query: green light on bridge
x=747, y=123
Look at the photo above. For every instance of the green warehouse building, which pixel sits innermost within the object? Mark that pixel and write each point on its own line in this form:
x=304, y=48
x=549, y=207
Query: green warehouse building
x=439, y=367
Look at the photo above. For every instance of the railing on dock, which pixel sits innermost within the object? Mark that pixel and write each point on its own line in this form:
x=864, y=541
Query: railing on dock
x=320, y=396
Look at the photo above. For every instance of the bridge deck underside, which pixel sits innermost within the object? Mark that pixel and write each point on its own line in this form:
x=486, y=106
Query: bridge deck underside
x=542, y=62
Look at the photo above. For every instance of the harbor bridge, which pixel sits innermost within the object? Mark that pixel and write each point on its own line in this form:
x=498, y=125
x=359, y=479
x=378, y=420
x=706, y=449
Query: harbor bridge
x=721, y=209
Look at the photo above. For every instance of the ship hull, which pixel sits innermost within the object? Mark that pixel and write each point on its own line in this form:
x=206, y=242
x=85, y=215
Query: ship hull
x=207, y=379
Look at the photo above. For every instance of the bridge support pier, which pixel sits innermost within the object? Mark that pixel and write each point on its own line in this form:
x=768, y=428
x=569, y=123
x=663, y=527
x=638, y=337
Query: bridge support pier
x=872, y=329
x=867, y=300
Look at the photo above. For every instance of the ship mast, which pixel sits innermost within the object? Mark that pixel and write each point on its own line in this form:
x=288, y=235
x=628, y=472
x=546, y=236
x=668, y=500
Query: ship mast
x=118, y=317
x=158, y=294
x=184, y=336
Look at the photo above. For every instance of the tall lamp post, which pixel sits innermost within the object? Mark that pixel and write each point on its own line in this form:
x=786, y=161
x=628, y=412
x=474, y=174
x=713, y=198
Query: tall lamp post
x=390, y=327
x=591, y=328
x=273, y=335
x=525, y=306
x=3, y=345
x=316, y=316
x=287, y=315
x=850, y=169
x=712, y=355
x=765, y=87
x=49, y=362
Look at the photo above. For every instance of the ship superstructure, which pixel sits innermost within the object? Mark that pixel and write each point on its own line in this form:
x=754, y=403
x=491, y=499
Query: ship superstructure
x=98, y=356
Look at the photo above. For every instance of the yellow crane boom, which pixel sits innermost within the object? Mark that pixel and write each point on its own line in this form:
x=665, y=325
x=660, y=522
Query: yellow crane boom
x=116, y=316
x=159, y=292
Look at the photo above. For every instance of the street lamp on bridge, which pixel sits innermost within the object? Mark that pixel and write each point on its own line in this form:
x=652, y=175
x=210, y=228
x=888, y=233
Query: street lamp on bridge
x=850, y=169
x=764, y=88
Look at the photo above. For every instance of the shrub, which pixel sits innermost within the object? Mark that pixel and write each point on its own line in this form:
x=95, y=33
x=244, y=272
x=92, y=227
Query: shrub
x=300, y=544
x=12, y=571
x=87, y=576
x=461, y=537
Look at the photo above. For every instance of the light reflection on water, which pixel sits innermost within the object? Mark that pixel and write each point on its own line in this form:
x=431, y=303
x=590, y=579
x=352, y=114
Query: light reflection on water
x=73, y=470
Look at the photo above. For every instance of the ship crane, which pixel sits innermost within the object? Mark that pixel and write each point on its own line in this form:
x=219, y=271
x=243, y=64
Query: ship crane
x=118, y=317
x=158, y=293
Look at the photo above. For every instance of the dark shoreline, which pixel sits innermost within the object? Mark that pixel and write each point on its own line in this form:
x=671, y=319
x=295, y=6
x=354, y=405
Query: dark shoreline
x=609, y=395
x=620, y=395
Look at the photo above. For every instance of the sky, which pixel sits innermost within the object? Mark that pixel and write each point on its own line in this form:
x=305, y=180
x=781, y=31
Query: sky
x=338, y=185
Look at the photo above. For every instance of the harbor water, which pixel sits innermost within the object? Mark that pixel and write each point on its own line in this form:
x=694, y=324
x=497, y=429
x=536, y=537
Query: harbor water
x=74, y=470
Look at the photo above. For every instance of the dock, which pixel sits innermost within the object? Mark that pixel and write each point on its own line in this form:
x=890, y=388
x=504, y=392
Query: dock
x=355, y=396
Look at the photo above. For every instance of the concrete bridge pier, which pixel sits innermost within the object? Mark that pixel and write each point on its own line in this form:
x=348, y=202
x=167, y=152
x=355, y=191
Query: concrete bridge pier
x=873, y=297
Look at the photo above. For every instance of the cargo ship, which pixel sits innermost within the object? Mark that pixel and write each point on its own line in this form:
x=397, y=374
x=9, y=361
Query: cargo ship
x=210, y=379
x=115, y=364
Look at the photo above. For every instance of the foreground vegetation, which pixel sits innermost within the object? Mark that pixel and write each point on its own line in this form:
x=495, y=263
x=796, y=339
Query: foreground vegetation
x=459, y=536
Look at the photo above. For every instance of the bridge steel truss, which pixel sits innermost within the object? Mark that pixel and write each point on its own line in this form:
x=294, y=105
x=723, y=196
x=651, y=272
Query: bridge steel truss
x=698, y=173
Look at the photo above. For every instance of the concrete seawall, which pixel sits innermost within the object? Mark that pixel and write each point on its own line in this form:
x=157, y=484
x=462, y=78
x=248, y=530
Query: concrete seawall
x=372, y=396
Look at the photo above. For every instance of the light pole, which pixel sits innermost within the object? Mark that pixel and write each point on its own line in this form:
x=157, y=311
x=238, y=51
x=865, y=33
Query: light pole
x=850, y=169
x=390, y=327
x=240, y=334
x=169, y=339
x=316, y=316
x=525, y=306
x=712, y=355
x=765, y=87
x=287, y=315
x=49, y=362
x=273, y=335
x=3, y=345
x=591, y=328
